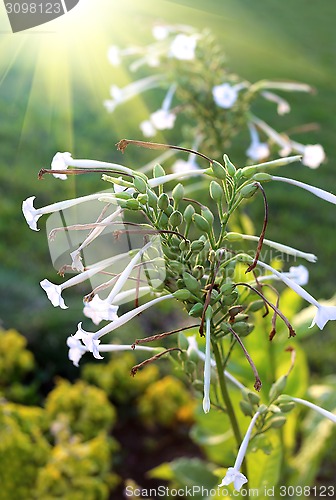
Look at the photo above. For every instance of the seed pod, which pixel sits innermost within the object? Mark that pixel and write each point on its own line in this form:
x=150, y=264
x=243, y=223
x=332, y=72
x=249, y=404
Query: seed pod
x=180, y=284
x=163, y=201
x=235, y=311
x=191, y=283
x=188, y=213
x=218, y=170
x=208, y=215
x=168, y=252
x=158, y=171
x=184, y=245
x=262, y=409
x=182, y=294
x=164, y=221
x=225, y=327
x=229, y=166
x=175, y=219
x=243, y=329
x=178, y=193
x=140, y=185
x=248, y=191
x=216, y=192
x=197, y=310
x=201, y=223
x=176, y=266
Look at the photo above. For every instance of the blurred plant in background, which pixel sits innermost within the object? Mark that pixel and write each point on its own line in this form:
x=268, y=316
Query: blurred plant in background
x=211, y=106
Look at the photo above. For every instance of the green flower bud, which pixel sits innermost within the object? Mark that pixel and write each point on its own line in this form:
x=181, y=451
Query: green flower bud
x=227, y=288
x=178, y=193
x=184, y=245
x=277, y=422
x=163, y=202
x=234, y=237
x=158, y=171
x=287, y=407
x=218, y=170
x=140, y=185
x=239, y=317
x=229, y=300
x=216, y=192
x=262, y=409
x=262, y=176
x=175, y=219
x=191, y=283
x=123, y=196
x=249, y=172
x=197, y=246
x=246, y=408
x=197, y=310
x=164, y=221
x=256, y=305
x=208, y=215
x=198, y=272
x=132, y=204
x=225, y=327
x=180, y=283
x=248, y=191
x=168, y=252
x=253, y=397
x=201, y=223
x=189, y=366
x=188, y=213
x=143, y=199
x=229, y=166
x=182, y=342
x=182, y=294
x=277, y=388
x=176, y=266
x=152, y=198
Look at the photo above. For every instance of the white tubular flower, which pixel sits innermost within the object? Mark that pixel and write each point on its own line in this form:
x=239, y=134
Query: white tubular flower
x=147, y=128
x=33, y=214
x=320, y=193
x=113, y=55
x=60, y=162
x=75, y=255
x=282, y=141
x=313, y=154
x=120, y=96
x=286, y=86
x=76, y=350
x=183, y=47
x=181, y=166
x=160, y=31
x=225, y=95
x=233, y=474
x=257, y=150
x=207, y=367
x=91, y=339
x=162, y=120
x=54, y=292
x=126, y=274
x=99, y=310
x=193, y=346
x=323, y=314
x=282, y=105
x=318, y=409
x=299, y=274
x=279, y=246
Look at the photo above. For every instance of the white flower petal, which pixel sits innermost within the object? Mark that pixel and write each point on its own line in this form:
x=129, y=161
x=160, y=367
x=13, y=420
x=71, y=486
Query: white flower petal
x=183, y=47
x=225, y=95
x=61, y=162
x=30, y=213
x=54, y=293
x=162, y=120
x=323, y=315
x=100, y=310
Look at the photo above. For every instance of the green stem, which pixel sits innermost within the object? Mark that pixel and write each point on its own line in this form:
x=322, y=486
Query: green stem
x=228, y=403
